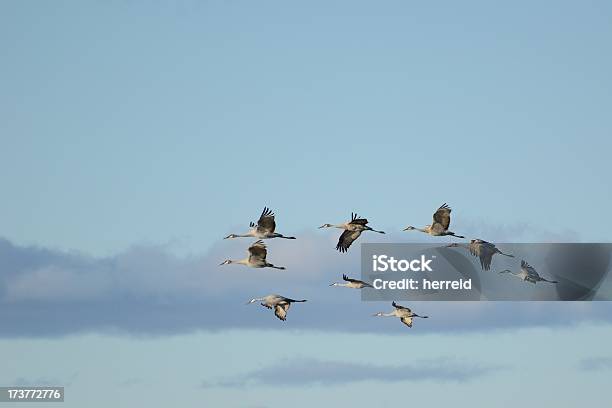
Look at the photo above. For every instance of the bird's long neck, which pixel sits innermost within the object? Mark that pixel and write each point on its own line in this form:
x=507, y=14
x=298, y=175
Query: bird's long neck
x=244, y=261
x=390, y=314
x=339, y=284
x=341, y=226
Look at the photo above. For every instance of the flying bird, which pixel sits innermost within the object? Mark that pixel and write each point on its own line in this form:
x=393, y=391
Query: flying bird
x=352, y=231
x=483, y=250
x=256, y=258
x=404, y=314
x=528, y=274
x=352, y=283
x=279, y=303
x=441, y=222
x=264, y=228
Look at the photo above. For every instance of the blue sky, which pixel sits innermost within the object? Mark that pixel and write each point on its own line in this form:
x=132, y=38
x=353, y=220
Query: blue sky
x=136, y=135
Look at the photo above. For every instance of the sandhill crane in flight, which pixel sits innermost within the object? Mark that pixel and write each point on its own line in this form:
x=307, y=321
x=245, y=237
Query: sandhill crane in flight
x=279, y=303
x=256, y=258
x=483, y=250
x=403, y=313
x=352, y=283
x=263, y=229
x=352, y=231
x=528, y=274
x=441, y=222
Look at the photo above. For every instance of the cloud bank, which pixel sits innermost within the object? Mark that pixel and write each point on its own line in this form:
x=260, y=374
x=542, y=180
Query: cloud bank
x=148, y=290
x=308, y=371
x=596, y=364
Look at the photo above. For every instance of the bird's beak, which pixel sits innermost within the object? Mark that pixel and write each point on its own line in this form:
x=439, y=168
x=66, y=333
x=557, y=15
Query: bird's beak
x=221, y=264
x=322, y=226
x=406, y=229
x=331, y=284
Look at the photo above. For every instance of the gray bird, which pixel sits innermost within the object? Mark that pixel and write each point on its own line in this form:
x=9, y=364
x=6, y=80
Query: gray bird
x=352, y=231
x=264, y=228
x=256, y=258
x=352, y=283
x=483, y=250
x=528, y=274
x=404, y=314
x=279, y=303
x=441, y=222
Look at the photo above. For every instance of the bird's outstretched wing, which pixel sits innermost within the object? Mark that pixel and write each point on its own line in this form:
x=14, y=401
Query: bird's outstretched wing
x=442, y=216
x=486, y=257
x=474, y=247
x=407, y=321
x=532, y=275
x=346, y=278
x=357, y=221
x=258, y=251
x=484, y=251
x=346, y=239
x=280, y=310
x=476, y=243
x=528, y=268
x=395, y=305
x=266, y=222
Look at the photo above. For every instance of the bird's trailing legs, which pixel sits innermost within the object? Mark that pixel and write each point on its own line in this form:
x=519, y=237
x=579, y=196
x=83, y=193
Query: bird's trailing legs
x=275, y=267
x=373, y=230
